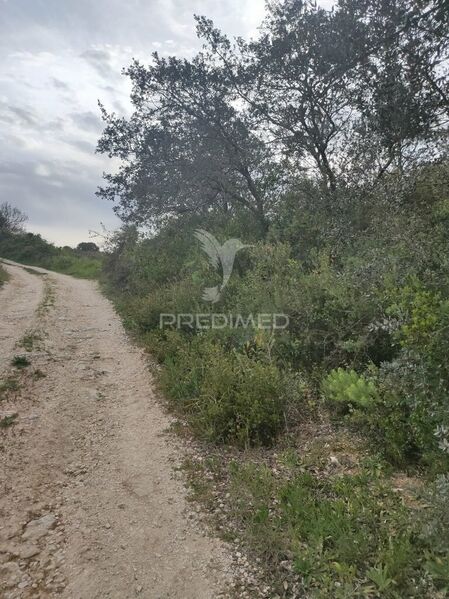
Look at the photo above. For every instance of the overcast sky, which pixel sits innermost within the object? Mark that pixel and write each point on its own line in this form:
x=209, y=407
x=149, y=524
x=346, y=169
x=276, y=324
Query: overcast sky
x=57, y=58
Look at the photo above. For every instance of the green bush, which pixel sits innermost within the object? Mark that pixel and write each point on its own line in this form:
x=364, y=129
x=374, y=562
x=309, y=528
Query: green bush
x=241, y=401
x=229, y=397
x=185, y=362
x=435, y=518
x=412, y=412
x=346, y=389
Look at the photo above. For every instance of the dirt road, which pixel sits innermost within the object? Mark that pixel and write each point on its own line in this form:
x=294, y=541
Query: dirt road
x=90, y=506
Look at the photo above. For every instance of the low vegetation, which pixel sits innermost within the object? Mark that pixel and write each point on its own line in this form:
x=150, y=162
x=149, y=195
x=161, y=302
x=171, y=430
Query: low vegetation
x=8, y=420
x=322, y=146
x=8, y=385
x=31, y=340
x=31, y=249
x=329, y=158
x=20, y=362
x=325, y=516
x=3, y=276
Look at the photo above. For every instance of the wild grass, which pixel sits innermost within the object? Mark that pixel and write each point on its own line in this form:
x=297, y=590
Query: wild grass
x=30, y=340
x=48, y=299
x=32, y=250
x=20, y=362
x=321, y=530
x=8, y=385
x=8, y=420
x=76, y=266
x=4, y=276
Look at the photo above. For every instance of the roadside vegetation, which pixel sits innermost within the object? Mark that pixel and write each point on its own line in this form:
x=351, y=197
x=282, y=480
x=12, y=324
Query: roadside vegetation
x=29, y=248
x=323, y=144
x=3, y=275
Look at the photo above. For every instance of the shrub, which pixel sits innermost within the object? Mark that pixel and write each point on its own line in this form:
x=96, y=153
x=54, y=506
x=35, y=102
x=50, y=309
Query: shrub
x=241, y=401
x=413, y=410
x=435, y=519
x=20, y=361
x=346, y=389
x=185, y=362
x=228, y=396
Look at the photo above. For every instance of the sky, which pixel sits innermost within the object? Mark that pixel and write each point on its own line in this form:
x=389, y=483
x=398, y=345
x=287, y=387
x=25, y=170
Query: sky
x=57, y=59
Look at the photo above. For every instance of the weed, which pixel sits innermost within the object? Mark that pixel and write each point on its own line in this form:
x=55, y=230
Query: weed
x=325, y=533
x=8, y=420
x=379, y=575
x=48, y=299
x=29, y=340
x=4, y=276
x=9, y=384
x=20, y=362
x=38, y=374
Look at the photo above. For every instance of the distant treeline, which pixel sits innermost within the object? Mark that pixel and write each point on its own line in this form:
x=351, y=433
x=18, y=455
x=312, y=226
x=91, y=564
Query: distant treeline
x=32, y=249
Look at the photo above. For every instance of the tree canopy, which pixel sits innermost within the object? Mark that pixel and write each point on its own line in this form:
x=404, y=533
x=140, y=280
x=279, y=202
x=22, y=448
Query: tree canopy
x=11, y=218
x=346, y=96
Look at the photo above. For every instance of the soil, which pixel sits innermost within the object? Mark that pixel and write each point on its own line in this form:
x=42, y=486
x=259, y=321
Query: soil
x=91, y=505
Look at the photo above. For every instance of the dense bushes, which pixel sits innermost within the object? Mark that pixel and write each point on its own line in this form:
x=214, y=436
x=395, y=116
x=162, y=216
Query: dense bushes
x=228, y=396
x=323, y=144
x=367, y=301
x=404, y=402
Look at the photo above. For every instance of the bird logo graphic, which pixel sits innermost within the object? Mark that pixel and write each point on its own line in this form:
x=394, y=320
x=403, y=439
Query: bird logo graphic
x=218, y=254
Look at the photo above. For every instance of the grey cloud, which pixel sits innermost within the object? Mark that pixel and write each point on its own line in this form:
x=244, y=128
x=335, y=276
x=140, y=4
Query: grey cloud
x=27, y=118
x=57, y=124
x=56, y=59
x=59, y=84
x=17, y=115
x=84, y=146
x=100, y=60
x=55, y=200
x=88, y=121
x=52, y=173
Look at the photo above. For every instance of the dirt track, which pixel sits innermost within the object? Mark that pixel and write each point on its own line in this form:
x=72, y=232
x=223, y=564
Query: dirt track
x=89, y=504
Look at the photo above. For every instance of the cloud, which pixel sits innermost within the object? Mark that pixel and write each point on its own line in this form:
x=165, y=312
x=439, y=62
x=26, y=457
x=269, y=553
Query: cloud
x=56, y=60
x=59, y=84
x=100, y=60
x=84, y=146
x=54, y=194
x=42, y=170
x=17, y=115
x=88, y=121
